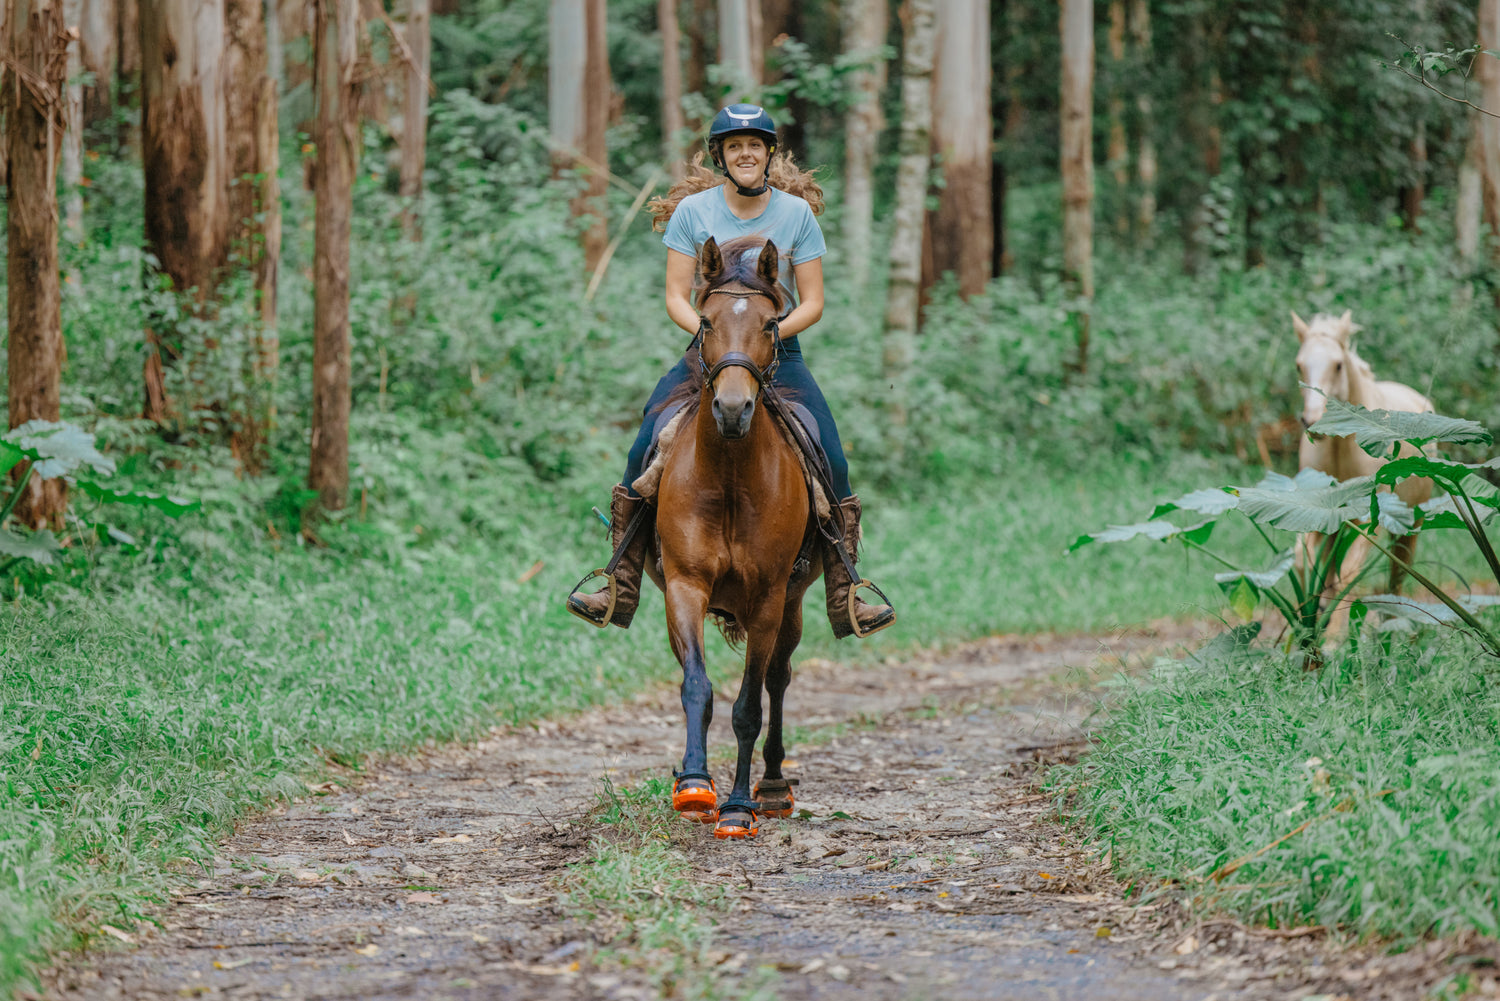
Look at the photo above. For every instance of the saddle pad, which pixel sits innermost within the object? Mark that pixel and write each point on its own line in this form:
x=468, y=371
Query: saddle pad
x=663, y=434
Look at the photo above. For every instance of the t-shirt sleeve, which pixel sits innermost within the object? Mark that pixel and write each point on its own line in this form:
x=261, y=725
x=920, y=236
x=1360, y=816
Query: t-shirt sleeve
x=679, y=234
x=809, y=245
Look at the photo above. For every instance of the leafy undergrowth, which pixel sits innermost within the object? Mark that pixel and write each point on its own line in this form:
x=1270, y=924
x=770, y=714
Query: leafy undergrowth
x=1361, y=798
x=637, y=894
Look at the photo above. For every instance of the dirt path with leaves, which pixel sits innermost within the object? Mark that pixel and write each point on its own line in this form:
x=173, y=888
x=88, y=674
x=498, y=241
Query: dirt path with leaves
x=925, y=866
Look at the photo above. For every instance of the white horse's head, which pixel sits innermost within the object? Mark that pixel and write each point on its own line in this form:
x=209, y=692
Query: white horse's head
x=1325, y=362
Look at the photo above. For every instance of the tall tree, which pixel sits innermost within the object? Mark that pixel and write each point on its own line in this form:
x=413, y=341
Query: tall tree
x=184, y=149
x=919, y=31
x=781, y=20
x=672, y=122
x=98, y=40
x=1077, y=161
x=254, y=204
x=417, y=33
x=1117, y=155
x=961, y=229
x=578, y=108
x=1145, y=148
x=865, y=24
x=336, y=31
x=1468, y=204
x=72, y=157
x=740, y=49
x=697, y=30
x=33, y=105
x=1487, y=67
x=128, y=65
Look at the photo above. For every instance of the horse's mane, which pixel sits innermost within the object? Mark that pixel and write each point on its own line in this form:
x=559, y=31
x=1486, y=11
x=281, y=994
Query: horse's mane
x=740, y=256
x=1355, y=358
x=785, y=174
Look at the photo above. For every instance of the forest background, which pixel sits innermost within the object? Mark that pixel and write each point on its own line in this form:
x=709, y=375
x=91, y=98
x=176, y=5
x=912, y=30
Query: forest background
x=359, y=305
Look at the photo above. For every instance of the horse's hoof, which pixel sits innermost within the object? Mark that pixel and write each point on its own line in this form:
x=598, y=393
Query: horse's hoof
x=695, y=794
x=737, y=822
x=775, y=797
x=700, y=816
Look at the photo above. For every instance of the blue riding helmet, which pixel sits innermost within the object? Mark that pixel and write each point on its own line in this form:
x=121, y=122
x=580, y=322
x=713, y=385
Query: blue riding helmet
x=742, y=119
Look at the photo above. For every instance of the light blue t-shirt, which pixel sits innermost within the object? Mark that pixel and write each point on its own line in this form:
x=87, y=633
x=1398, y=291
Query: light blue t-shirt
x=787, y=221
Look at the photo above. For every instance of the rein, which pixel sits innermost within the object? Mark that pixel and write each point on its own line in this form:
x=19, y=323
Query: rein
x=737, y=359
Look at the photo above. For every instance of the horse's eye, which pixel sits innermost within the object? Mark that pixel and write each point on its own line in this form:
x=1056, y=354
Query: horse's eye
x=1338, y=366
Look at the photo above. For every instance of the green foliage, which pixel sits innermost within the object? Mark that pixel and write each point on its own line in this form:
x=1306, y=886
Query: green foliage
x=1380, y=768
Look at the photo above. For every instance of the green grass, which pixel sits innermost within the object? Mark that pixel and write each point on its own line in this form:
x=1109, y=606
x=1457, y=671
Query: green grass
x=1390, y=758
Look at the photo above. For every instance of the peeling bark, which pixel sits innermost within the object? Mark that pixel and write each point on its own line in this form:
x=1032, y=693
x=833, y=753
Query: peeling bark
x=34, y=121
x=98, y=37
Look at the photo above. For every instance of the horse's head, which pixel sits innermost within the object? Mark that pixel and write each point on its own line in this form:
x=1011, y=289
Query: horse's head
x=739, y=302
x=1325, y=362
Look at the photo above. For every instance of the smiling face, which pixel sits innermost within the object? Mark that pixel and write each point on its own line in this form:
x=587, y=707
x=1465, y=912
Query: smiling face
x=745, y=158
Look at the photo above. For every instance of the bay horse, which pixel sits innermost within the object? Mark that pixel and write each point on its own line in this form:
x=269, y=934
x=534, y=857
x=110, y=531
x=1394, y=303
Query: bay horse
x=1329, y=368
x=732, y=516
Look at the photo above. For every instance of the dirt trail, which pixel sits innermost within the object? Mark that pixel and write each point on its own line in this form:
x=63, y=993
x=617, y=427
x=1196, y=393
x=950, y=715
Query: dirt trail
x=927, y=870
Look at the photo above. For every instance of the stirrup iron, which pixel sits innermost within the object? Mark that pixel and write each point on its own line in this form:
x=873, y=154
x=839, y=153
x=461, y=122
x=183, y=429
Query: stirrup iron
x=614, y=596
x=853, y=597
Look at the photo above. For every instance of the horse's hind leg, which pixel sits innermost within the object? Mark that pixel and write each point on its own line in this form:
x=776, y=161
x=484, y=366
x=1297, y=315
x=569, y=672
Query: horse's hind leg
x=1405, y=550
x=693, y=792
x=736, y=817
x=773, y=791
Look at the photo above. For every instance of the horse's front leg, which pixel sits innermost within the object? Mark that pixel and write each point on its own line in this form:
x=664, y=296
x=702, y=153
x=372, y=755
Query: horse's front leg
x=774, y=792
x=693, y=791
x=737, y=816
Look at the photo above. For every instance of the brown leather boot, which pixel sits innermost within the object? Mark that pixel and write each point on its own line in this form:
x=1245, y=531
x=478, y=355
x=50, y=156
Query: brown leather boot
x=837, y=584
x=594, y=607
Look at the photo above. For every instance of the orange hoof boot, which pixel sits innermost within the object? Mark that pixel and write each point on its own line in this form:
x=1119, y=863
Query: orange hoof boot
x=737, y=820
x=775, y=797
x=694, y=797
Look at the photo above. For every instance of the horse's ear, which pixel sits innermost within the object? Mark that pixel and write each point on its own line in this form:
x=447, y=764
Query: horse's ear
x=768, y=264
x=1346, y=327
x=1299, y=325
x=710, y=261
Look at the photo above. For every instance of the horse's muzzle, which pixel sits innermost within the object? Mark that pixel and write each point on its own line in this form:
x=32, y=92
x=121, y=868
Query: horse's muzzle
x=733, y=419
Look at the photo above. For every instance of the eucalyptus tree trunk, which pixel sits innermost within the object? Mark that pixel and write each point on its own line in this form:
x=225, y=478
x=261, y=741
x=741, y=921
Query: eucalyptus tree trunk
x=33, y=112
x=1145, y=148
x=578, y=110
x=254, y=208
x=1077, y=161
x=865, y=23
x=128, y=67
x=184, y=150
x=672, y=122
x=1487, y=68
x=919, y=23
x=700, y=52
x=98, y=40
x=418, y=35
x=336, y=30
x=1117, y=155
x=779, y=20
x=1469, y=202
x=740, y=46
x=72, y=155
x=961, y=229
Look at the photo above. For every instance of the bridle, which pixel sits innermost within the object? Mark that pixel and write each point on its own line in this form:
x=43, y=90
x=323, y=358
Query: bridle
x=738, y=359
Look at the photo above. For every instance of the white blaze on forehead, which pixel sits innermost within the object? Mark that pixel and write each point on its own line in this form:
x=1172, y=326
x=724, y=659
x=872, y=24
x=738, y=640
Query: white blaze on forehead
x=740, y=305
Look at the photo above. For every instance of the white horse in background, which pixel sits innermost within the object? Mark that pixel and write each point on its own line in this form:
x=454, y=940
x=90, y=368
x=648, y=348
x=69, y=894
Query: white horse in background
x=1329, y=367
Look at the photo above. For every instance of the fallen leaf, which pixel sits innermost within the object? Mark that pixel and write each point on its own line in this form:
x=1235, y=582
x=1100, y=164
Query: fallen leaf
x=456, y=837
x=423, y=897
x=536, y=568
x=524, y=901
x=479, y=938
x=348, y=838
x=307, y=875
x=409, y=930
x=880, y=866
x=36, y=752
x=1187, y=945
x=1045, y=875
x=370, y=950
x=117, y=933
x=232, y=964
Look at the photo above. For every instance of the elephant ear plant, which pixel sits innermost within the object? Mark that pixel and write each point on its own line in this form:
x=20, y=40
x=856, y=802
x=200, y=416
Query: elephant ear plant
x=52, y=450
x=1341, y=511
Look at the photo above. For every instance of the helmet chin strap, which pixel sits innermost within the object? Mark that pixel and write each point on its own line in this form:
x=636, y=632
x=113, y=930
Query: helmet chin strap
x=764, y=180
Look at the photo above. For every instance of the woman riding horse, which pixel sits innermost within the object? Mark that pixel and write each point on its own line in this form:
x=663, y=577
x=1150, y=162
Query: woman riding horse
x=762, y=195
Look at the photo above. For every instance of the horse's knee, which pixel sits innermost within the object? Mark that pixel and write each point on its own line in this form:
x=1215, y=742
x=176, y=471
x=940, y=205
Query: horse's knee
x=747, y=719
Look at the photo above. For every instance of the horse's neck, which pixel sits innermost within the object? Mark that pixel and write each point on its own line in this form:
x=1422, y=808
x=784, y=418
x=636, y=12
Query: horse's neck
x=1361, y=380
x=733, y=461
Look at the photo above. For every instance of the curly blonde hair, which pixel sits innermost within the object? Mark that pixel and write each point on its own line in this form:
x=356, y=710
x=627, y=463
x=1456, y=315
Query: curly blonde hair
x=784, y=174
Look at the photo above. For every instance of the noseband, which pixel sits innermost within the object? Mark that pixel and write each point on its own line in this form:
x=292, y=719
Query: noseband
x=738, y=359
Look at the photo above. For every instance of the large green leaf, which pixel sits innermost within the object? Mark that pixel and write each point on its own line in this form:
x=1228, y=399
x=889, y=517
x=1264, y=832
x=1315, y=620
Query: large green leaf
x=1212, y=502
x=11, y=455
x=40, y=547
x=1310, y=502
x=1442, y=512
x=1428, y=612
x=1260, y=578
x=1158, y=530
x=1440, y=469
x=173, y=506
x=1394, y=515
x=59, y=449
x=1380, y=432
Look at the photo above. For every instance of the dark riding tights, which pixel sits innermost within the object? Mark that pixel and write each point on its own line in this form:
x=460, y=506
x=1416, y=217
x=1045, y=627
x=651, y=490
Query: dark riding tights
x=792, y=377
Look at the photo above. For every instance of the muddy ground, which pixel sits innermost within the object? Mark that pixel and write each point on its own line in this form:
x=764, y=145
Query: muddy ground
x=930, y=867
